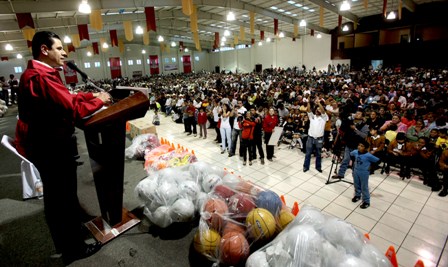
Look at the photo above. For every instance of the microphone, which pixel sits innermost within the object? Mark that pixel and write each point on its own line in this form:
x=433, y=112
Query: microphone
x=72, y=66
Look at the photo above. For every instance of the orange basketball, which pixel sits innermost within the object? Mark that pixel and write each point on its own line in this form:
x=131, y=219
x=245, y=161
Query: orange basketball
x=234, y=248
x=247, y=188
x=234, y=227
x=217, y=208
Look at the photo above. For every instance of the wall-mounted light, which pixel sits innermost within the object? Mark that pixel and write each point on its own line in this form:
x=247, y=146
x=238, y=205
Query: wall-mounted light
x=222, y=43
x=318, y=36
x=260, y=43
x=391, y=15
x=84, y=7
x=345, y=28
x=268, y=39
x=281, y=35
x=105, y=45
x=143, y=51
x=89, y=54
x=173, y=44
x=186, y=50
x=223, y=39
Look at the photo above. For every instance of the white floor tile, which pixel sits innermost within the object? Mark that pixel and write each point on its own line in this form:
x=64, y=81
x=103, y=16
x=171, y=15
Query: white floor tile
x=396, y=222
x=404, y=213
x=338, y=211
x=428, y=235
x=389, y=233
x=422, y=248
x=408, y=258
x=435, y=224
x=409, y=204
x=317, y=202
x=380, y=243
x=361, y=221
x=371, y=212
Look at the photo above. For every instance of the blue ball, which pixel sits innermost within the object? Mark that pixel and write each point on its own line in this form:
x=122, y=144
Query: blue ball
x=269, y=200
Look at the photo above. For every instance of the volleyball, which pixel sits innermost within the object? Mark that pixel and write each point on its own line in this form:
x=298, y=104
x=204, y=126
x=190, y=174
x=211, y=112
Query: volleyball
x=161, y=217
x=182, y=210
x=260, y=223
x=269, y=200
x=189, y=189
x=234, y=248
x=210, y=181
x=207, y=241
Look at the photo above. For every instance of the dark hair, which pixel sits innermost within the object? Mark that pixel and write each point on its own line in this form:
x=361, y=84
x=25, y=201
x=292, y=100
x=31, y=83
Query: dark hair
x=42, y=38
x=365, y=143
x=401, y=136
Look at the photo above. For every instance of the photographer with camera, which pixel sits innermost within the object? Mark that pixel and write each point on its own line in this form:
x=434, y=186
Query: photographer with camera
x=239, y=110
x=353, y=131
x=258, y=134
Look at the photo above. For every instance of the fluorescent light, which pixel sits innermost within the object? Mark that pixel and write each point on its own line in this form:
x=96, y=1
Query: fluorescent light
x=89, y=54
x=302, y=23
x=288, y=12
x=19, y=56
x=319, y=36
x=230, y=16
x=281, y=35
x=260, y=43
x=186, y=50
x=305, y=7
x=245, y=16
x=345, y=6
x=139, y=30
x=298, y=5
x=345, y=28
x=291, y=2
x=67, y=39
x=268, y=40
x=226, y=33
x=173, y=44
x=84, y=7
x=391, y=16
x=105, y=45
x=160, y=38
x=8, y=47
x=281, y=10
x=274, y=7
x=143, y=51
x=294, y=15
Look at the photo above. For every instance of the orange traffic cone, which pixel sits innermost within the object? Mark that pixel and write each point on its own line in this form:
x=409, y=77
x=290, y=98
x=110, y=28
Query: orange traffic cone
x=295, y=208
x=172, y=146
x=192, y=152
x=392, y=256
x=178, y=146
x=161, y=140
x=367, y=235
x=419, y=263
x=282, y=197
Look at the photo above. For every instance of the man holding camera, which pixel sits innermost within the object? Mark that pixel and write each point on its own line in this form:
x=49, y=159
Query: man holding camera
x=239, y=110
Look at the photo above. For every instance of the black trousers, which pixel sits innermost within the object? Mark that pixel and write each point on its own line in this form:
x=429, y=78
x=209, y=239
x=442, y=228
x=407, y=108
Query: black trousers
x=246, y=147
x=269, y=149
x=257, y=144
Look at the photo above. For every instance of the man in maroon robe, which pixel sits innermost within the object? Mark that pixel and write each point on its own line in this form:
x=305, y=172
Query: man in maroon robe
x=45, y=135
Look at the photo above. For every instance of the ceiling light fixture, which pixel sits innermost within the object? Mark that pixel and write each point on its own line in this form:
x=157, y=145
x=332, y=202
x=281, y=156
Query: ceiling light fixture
x=89, y=54
x=302, y=23
x=139, y=30
x=19, y=56
x=345, y=6
x=173, y=44
x=9, y=47
x=319, y=36
x=391, y=15
x=281, y=35
x=160, y=38
x=84, y=7
x=105, y=45
x=230, y=16
x=143, y=51
x=345, y=28
x=67, y=39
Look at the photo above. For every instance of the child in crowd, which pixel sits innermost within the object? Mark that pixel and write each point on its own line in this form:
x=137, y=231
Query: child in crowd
x=398, y=152
x=247, y=137
x=362, y=162
x=202, y=121
x=433, y=136
x=156, y=119
x=442, y=140
x=377, y=143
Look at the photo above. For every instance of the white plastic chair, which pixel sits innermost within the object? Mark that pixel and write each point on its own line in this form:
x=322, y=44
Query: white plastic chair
x=31, y=182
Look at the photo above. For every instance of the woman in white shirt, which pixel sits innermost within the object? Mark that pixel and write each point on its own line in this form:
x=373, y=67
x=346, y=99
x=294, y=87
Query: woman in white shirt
x=225, y=128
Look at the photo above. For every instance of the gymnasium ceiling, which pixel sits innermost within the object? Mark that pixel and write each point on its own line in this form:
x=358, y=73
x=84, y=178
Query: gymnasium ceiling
x=62, y=17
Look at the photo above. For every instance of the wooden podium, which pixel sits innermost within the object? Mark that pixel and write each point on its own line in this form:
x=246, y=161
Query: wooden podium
x=105, y=135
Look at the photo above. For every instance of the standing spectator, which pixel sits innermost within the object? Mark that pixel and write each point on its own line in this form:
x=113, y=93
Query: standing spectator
x=216, y=119
x=202, y=121
x=247, y=137
x=44, y=135
x=258, y=134
x=5, y=90
x=225, y=127
x=238, y=111
x=377, y=144
x=191, y=119
x=362, y=162
x=168, y=105
x=315, y=140
x=14, y=85
x=443, y=165
x=269, y=123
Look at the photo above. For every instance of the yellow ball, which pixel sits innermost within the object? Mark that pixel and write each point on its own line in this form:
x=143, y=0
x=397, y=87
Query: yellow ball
x=207, y=242
x=261, y=224
x=285, y=218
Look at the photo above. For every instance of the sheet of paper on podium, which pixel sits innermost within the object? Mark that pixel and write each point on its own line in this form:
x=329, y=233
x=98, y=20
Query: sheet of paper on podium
x=275, y=136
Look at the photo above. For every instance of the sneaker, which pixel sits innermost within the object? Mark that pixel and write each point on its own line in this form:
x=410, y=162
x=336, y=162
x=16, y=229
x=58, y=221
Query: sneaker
x=364, y=205
x=443, y=193
x=337, y=177
x=355, y=199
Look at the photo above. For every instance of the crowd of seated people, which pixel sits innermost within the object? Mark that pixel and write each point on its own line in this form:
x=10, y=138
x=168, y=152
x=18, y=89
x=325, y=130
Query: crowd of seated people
x=404, y=111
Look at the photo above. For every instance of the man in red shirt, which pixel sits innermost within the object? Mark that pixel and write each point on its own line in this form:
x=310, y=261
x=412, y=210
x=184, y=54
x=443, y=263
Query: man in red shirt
x=269, y=123
x=45, y=135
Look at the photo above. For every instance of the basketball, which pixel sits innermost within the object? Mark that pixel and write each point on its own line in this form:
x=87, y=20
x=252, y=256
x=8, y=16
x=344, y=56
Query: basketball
x=260, y=223
x=234, y=248
x=216, y=208
x=269, y=200
x=210, y=181
x=224, y=191
x=232, y=226
x=285, y=218
x=247, y=188
x=241, y=204
x=206, y=242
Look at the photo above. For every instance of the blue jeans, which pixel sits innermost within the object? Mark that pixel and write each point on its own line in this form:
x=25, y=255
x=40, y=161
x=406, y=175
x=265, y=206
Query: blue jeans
x=312, y=143
x=235, y=135
x=225, y=136
x=361, y=184
x=345, y=161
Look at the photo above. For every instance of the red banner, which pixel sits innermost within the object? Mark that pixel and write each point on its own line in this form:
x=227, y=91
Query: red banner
x=275, y=27
x=83, y=31
x=96, y=50
x=25, y=19
x=115, y=68
x=113, y=38
x=150, y=18
x=154, y=64
x=187, y=63
x=69, y=74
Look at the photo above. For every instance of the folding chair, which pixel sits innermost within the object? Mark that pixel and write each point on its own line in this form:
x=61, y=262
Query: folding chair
x=31, y=182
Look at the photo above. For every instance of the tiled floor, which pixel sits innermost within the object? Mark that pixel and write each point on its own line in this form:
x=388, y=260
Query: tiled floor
x=404, y=214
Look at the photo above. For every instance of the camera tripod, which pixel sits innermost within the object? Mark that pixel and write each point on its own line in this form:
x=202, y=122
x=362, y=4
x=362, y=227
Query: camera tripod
x=335, y=163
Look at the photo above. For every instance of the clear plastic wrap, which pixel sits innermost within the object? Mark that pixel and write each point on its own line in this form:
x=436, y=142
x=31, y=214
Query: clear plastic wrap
x=165, y=156
x=141, y=144
x=313, y=239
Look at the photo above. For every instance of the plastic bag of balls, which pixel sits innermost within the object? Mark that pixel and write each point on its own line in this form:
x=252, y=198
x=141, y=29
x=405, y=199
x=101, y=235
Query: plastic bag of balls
x=175, y=158
x=315, y=239
x=176, y=194
x=237, y=216
x=141, y=144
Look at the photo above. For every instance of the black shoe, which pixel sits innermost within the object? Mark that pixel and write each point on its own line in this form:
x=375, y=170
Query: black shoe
x=387, y=170
x=84, y=252
x=270, y=160
x=355, y=199
x=337, y=177
x=231, y=155
x=319, y=170
x=188, y=133
x=305, y=170
x=364, y=205
x=443, y=193
x=436, y=188
x=274, y=156
x=262, y=161
x=222, y=151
